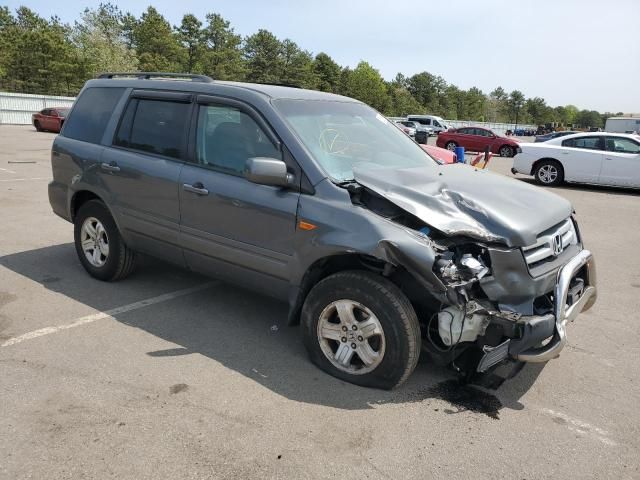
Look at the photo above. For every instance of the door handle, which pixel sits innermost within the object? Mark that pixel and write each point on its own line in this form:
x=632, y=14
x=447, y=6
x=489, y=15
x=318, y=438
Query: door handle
x=110, y=167
x=196, y=188
x=608, y=158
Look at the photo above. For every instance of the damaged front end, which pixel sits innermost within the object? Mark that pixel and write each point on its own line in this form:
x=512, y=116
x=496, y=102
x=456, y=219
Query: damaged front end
x=531, y=330
x=488, y=300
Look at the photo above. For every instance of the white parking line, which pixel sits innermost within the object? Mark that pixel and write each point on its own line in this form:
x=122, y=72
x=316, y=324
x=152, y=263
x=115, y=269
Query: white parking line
x=106, y=314
x=7, y=170
x=24, y=179
x=580, y=427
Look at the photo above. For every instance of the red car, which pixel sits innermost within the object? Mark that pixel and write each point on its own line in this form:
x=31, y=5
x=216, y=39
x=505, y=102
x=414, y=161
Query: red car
x=476, y=139
x=442, y=155
x=50, y=119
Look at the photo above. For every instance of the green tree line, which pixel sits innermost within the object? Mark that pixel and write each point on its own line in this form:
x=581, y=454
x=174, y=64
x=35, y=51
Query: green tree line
x=47, y=56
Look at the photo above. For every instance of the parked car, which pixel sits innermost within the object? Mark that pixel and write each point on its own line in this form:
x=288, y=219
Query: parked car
x=441, y=155
x=476, y=139
x=437, y=124
x=600, y=158
x=50, y=119
x=409, y=130
x=552, y=135
x=320, y=201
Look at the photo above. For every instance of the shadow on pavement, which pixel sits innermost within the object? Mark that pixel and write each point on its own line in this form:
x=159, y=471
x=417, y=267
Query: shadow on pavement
x=247, y=333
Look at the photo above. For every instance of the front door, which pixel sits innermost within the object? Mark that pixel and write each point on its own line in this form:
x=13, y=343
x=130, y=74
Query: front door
x=140, y=172
x=621, y=165
x=230, y=227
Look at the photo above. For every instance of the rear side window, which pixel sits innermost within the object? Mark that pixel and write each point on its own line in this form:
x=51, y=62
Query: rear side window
x=91, y=114
x=154, y=126
x=589, y=143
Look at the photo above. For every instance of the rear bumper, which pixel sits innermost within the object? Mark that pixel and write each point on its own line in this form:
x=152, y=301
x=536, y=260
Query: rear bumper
x=58, y=200
x=563, y=313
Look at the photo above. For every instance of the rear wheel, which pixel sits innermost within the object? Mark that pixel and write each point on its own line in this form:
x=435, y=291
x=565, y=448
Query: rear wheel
x=99, y=246
x=451, y=146
x=507, y=151
x=361, y=328
x=549, y=173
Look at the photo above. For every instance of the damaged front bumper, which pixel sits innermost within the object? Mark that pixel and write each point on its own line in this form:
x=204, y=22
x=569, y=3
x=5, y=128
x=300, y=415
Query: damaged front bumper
x=564, y=313
x=538, y=328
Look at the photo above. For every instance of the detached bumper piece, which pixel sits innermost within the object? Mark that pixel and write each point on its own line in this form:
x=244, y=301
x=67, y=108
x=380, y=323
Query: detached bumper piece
x=581, y=293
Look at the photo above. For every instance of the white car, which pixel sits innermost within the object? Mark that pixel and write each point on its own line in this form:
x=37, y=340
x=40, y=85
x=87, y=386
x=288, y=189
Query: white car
x=598, y=158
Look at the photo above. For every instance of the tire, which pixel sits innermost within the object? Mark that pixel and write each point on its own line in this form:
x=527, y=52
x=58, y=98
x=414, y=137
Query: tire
x=507, y=151
x=113, y=260
x=549, y=173
x=37, y=125
x=451, y=146
x=390, y=341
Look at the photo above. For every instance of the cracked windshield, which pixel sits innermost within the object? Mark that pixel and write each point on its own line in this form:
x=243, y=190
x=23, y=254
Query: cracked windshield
x=340, y=135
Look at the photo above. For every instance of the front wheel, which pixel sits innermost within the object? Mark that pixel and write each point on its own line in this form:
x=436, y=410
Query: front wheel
x=37, y=125
x=361, y=328
x=451, y=146
x=549, y=173
x=99, y=246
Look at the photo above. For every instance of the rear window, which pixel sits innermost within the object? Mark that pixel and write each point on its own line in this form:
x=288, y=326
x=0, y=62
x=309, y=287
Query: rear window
x=91, y=114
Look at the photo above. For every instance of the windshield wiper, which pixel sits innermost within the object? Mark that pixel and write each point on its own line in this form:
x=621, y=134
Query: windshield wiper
x=344, y=183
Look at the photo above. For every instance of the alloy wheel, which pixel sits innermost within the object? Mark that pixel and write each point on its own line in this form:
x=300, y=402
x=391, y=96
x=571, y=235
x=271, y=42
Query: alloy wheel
x=351, y=337
x=547, y=174
x=94, y=241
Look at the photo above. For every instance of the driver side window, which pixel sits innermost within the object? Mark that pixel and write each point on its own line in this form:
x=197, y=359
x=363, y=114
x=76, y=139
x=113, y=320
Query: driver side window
x=227, y=137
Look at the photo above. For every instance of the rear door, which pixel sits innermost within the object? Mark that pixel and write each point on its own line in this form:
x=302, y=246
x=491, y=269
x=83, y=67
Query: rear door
x=141, y=169
x=621, y=165
x=582, y=158
x=230, y=227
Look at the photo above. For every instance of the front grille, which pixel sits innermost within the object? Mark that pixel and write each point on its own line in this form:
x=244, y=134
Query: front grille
x=551, y=243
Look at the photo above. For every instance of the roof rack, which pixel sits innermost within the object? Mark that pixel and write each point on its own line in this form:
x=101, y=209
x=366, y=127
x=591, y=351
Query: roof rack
x=158, y=75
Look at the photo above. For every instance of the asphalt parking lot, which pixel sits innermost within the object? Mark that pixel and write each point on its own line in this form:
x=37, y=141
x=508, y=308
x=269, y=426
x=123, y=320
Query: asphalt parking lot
x=171, y=375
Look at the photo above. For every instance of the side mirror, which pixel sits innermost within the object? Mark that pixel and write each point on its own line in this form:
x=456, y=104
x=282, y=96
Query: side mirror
x=268, y=171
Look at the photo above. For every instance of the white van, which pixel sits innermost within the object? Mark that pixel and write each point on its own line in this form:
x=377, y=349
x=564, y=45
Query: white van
x=437, y=123
x=622, y=125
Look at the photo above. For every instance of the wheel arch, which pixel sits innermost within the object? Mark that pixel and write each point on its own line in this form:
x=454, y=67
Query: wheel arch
x=81, y=197
x=413, y=288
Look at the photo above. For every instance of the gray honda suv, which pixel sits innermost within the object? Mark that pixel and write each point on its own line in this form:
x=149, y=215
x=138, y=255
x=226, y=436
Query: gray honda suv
x=381, y=253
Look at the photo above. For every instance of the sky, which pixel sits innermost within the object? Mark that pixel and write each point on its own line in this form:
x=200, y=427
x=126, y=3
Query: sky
x=580, y=52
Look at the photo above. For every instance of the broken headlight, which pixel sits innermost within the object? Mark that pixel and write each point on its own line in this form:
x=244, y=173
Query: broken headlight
x=459, y=269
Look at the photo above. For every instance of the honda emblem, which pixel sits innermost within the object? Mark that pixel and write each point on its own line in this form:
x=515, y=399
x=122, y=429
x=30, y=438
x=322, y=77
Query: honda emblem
x=556, y=244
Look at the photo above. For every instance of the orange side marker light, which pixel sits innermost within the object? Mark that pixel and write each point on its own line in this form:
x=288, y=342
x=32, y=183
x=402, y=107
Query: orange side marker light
x=302, y=225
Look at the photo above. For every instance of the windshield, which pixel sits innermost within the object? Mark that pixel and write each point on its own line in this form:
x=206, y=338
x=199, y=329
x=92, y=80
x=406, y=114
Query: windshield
x=340, y=135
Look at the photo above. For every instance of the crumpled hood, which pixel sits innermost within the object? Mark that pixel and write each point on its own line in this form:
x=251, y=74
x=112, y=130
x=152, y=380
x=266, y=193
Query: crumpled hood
x=461, y=200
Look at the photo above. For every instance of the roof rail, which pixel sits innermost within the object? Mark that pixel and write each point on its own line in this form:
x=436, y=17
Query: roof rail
x=158, y=75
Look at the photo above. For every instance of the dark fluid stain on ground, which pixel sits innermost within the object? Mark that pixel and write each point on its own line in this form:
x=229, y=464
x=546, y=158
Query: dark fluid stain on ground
x=178, y=387
x=635, y=285
x=466, y=398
